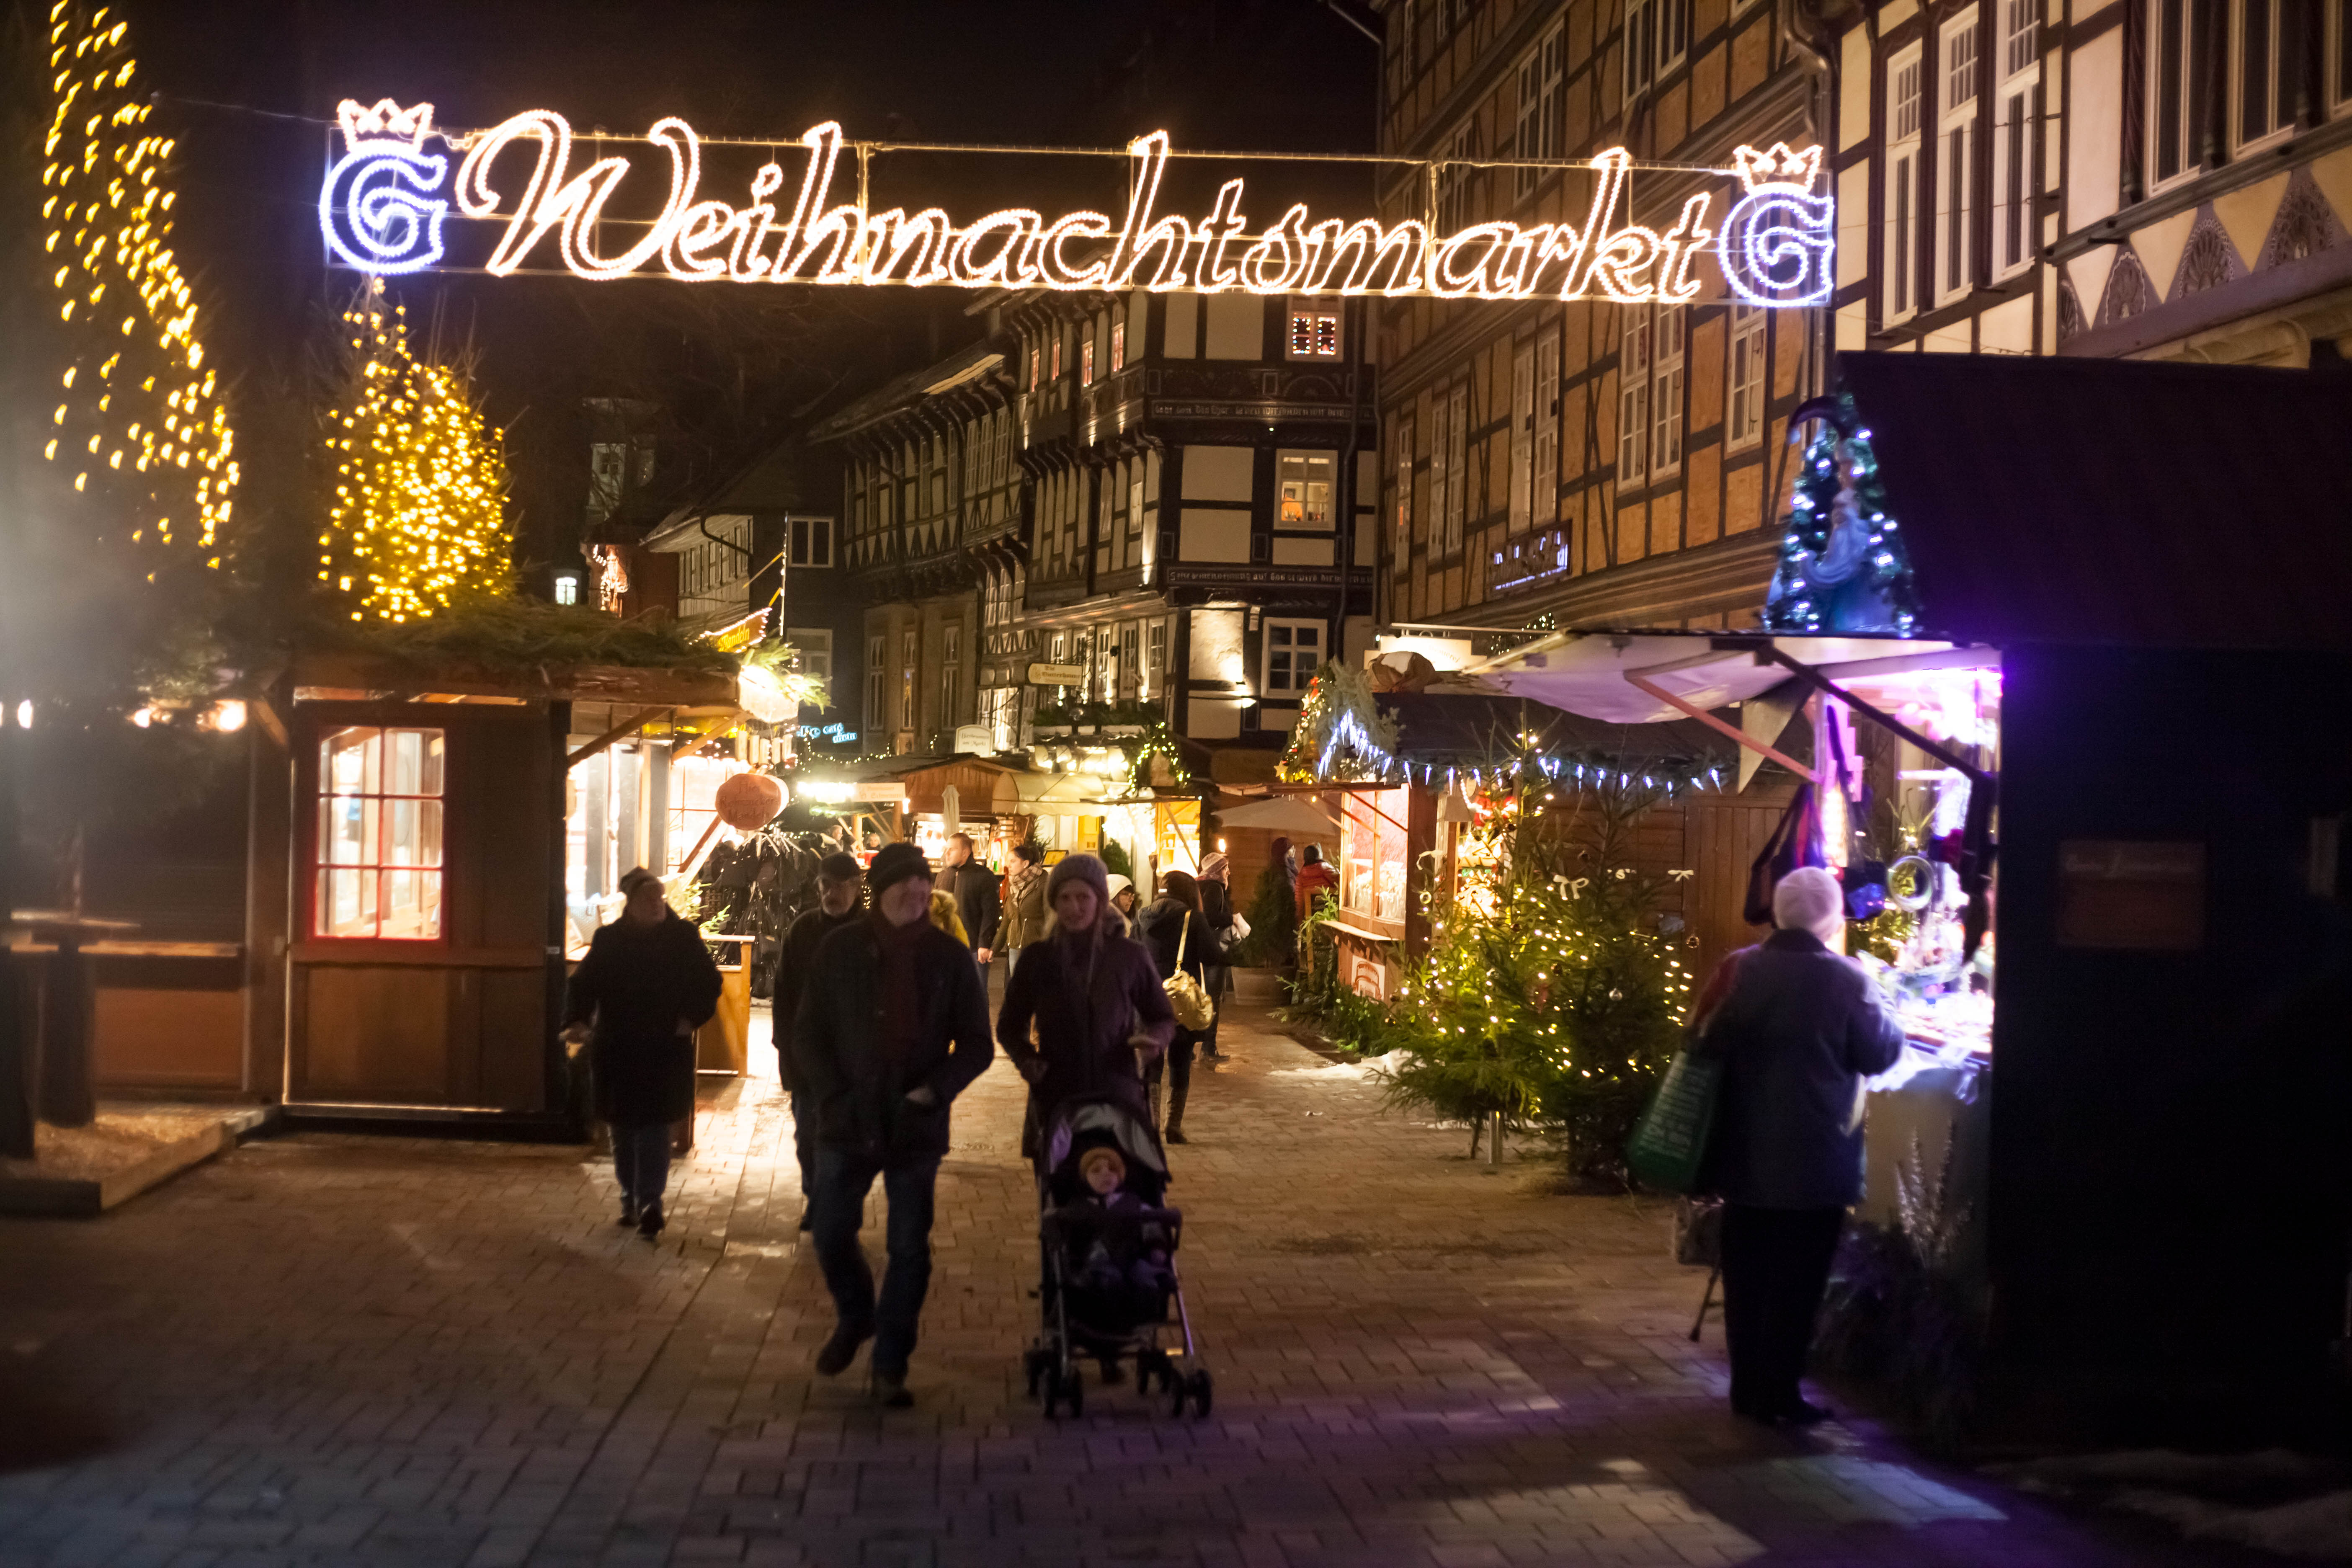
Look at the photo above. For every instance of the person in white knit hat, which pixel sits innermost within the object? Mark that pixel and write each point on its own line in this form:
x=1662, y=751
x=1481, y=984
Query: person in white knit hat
x=1798, y=1029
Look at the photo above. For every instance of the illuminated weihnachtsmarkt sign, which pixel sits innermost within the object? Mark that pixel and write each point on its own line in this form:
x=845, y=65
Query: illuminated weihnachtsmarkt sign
x=386, y=201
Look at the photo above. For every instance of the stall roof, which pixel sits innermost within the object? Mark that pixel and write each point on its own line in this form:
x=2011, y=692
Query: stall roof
x=2049, y=499
x=1590, y=675
x=1449, y=727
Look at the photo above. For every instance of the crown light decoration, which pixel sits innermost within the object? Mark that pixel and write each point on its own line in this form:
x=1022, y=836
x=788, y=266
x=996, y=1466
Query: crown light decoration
x=383, y=205
x=1778, y=241
x=378, y=212
x=141, y=421
x=418, y=521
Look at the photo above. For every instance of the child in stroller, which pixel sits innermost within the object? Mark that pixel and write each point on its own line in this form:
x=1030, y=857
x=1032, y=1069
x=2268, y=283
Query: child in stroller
x=1107, y=1259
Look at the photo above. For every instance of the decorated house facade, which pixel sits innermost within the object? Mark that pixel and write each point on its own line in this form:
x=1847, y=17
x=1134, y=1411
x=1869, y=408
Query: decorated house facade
x=1596, y=462
x=1203, y=532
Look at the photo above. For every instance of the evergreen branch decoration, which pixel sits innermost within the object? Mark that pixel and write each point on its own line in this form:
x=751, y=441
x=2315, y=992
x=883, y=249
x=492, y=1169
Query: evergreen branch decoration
x=1341, y=732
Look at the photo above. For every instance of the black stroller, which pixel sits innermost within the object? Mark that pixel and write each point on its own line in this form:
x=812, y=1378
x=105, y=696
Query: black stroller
x=1107, y=1274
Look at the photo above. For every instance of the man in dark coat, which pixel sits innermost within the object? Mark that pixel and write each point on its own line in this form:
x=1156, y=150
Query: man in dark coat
x=649, y=983
x=1800, y=1030
x=892, y=1026
x=840, y=889
x=980, y=902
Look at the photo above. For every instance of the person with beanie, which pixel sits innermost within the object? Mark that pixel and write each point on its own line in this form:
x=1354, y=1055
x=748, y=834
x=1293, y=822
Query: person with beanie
x=840, y=901
x=893, y=1024
x=646, y=985
x=1090, y=994
x=1798, y=1026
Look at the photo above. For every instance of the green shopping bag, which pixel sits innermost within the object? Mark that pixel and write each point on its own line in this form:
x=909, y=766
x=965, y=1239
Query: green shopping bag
x=1670, y=1142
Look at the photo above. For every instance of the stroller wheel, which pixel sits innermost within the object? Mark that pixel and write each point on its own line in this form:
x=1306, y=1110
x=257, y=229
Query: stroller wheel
x=1203, y=1392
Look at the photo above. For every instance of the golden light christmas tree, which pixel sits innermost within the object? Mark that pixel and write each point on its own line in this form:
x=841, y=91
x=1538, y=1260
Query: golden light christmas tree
x=418, y=521
x=142, y=422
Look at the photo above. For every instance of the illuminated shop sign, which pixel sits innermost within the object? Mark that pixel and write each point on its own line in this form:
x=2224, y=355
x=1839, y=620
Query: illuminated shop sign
x=386, y=201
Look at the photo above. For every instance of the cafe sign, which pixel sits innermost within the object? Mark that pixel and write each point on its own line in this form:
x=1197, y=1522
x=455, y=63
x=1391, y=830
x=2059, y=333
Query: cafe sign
x=389, y=198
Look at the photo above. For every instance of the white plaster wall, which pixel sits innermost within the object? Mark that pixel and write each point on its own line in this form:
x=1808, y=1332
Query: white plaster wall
x=1219, y=473
x=2095, y=149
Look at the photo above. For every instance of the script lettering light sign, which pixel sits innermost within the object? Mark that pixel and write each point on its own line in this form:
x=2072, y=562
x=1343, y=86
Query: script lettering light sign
x=386, y=201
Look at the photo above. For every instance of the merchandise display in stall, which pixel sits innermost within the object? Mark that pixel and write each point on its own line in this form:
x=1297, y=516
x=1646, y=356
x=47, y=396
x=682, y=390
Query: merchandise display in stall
x=1374, y=853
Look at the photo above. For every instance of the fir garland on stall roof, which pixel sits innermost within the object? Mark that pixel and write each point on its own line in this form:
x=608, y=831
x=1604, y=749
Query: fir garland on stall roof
x=1340, y=733
x=1843, y=567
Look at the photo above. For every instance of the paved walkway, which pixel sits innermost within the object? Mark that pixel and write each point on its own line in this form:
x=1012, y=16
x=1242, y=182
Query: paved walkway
x=356, y=1351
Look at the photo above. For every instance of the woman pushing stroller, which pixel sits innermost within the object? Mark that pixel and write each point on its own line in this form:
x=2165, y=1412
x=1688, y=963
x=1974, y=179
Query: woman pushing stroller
x=1094, y=996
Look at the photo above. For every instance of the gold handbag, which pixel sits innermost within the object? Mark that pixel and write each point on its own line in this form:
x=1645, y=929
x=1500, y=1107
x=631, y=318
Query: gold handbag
x=1194, y=1008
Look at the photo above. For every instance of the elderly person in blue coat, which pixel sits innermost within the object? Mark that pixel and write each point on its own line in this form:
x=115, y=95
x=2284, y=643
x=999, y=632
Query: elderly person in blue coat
x=1799, y=1028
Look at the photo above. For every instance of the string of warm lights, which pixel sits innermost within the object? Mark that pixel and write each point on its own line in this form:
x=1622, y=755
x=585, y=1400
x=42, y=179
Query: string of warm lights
x=418, y=521
x=142, y=422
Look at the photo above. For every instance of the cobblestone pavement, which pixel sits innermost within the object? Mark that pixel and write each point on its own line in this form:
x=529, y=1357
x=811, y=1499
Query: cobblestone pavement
x=352, y=1350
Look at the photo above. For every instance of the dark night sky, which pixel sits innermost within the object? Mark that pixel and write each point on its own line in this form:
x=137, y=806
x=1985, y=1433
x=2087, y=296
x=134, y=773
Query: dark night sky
x=1236, y=74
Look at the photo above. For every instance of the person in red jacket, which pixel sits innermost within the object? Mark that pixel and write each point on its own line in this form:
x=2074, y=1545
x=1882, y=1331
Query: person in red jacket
x=1315, y=879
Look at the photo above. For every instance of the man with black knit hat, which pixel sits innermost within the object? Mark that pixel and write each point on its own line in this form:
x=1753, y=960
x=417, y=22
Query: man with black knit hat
x=892, y=1025
x=840, y=883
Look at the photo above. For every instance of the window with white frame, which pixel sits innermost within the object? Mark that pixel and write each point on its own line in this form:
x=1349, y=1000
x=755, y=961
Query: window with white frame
x=1314, y=329
x=567, y=589
x=2337, y=43
x=878, y=674
x=812, y=542
x=1542, y=126
x=2264, y=59
x=1455, y=435
x=1155, y=656
x=1546, y=476
x=2014, y=176
x=1130, y=662
x=950, y=672
x=910, y=653
x=1905, y=103
x=1523, y=433
x=1744, y=417
x=1657, y=36
x=2175, y=57
x=813, y=647
x=1667, y=390
x=1292, y=651
x=1304, y=490
x=1956, y=146
x=1454, y=180
x=1632, y=395
x=1404, y=447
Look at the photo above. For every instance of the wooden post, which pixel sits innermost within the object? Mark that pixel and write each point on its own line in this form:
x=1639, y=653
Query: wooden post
x=16, y=987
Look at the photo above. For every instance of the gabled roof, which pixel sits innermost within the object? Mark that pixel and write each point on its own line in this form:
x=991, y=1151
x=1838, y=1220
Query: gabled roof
x=2050, y=499
x=904, y=392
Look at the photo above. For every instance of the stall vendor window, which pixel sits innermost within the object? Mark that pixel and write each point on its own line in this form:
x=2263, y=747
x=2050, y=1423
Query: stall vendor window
x=378, y=857
x=1373, y=856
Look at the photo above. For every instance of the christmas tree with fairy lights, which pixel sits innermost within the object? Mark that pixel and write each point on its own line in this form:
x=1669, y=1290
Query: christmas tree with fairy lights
x=418, y=519
x=139, y=422
x=1843, y=565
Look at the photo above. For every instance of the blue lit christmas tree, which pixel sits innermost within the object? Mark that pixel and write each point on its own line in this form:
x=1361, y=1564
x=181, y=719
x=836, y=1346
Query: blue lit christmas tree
x=1843, y=565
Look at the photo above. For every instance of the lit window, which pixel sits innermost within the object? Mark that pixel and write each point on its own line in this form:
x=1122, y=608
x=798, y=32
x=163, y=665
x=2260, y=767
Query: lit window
x=379, y=826
x=1293, y=649
x=1745, y=419
x=1314, y=329
x=567, y=589
x=1087, y=361
x=1303, y=489
x=1118, y=346
x=1057, y=357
